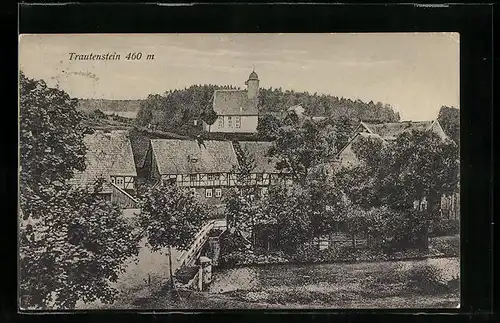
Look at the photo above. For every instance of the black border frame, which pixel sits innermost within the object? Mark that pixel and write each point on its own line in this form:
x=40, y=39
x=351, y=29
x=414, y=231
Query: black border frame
x=473, y=22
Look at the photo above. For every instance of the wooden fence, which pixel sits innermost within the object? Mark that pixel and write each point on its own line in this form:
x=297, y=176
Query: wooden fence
x=340, y=239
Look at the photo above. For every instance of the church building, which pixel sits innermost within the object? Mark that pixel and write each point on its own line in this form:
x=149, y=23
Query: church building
x=237, y=110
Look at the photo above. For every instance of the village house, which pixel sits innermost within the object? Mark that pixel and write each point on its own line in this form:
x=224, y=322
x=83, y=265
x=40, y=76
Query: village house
x=208, y=168
x=109, y=157
x=237, y=110
x=386, y=132
x=203, y=167
x=297, y=114
x=264, y=172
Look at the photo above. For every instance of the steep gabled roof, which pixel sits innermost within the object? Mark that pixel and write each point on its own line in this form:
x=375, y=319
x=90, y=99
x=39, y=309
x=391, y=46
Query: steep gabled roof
x=174, y=156
x=108, y=153
x=258, y=150
x=389, y=131
x=234, y=102
x=359, y=134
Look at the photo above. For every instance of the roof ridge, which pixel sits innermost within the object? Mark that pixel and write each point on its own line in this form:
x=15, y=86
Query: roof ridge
x=229, y=90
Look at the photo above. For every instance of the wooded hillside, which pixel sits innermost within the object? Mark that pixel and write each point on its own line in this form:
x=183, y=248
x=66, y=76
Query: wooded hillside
x=109, y=106
x=176, y=109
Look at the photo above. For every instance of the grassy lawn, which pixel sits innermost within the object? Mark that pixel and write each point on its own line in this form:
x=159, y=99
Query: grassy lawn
x=402, y=284
x=383, y=284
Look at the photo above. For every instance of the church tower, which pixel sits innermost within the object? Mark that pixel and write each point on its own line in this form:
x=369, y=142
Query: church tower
x=252, y=86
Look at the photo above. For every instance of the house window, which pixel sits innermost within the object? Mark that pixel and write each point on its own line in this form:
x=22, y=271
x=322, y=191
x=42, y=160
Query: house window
x=193, y=192
x=230, y=122
x=423, y=204
x=218, y=192
x=237, y=122
x=259, y=177
x=119, y=181
x=212, y=177
x=221, y=122
x=193, y=177
x=112, y=180
x=208, y=192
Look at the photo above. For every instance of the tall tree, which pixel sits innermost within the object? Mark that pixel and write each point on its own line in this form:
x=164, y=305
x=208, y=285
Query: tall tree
x=241, y=212
x=287, y=210
x=72, y=242
x=449, y=118
x=268, y=126
x=326, y=196
x=51, y=134
x=299, y=148
x=170, y=216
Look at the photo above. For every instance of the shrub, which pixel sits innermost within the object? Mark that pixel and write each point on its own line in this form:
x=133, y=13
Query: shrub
x=454, y=284
x=449, y=246
x=426, y=279
x=445, y=228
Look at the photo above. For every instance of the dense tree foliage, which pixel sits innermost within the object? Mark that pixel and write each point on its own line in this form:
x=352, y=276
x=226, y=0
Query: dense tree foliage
x=326, y=196
x=51, y=134
x=299, y=148
x=177, y=108
x=73, y=244
x=170, y=217
x=374, y=198
x=417, y=166
x=268, y=126
x=277, y=100
x=449, y=118
x=72, y=241
x=287, y=208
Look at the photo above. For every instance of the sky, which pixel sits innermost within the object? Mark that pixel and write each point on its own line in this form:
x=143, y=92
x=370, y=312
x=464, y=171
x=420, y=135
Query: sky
x=416, y=73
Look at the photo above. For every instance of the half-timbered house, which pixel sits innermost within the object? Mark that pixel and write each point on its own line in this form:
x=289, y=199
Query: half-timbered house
x=203, y=167
x=109, y=157
x=264, y=172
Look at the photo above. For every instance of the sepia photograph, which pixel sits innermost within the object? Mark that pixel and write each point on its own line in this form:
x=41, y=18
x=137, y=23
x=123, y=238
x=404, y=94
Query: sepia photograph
x=239, y=171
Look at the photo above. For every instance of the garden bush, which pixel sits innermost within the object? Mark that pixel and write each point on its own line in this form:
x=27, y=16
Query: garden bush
x=448, y=246
x=454, y=284
x=425, y=279
x=444, y=228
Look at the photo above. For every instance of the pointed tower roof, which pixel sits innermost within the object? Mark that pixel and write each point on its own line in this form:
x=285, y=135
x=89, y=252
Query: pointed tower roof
x=253, y=76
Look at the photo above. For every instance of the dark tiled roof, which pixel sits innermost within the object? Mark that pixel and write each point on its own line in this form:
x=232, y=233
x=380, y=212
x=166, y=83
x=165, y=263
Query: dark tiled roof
x=174, y=156
x=234, y=102
x=391, y=130
x=108, y=153
x=258, y=150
